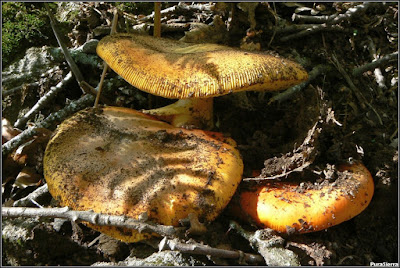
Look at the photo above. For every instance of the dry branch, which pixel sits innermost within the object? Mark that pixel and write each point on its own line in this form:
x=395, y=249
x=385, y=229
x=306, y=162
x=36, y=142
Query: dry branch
x=360, y=97
x=43, y=101
x=74, y=68
x=315, y=29
x=32, y=197
x=199, y=249
x=315, y=72
x=330, y=23
x=377, y=63
x=350, y=13
x=93, y=218
x=60, y=115
x=179, y=8
x=312, y=19
x=269, y=245
x=5, y=93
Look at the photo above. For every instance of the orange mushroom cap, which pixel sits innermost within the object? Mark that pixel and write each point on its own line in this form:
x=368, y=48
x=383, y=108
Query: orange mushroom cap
x=286, y=207
x=121, y=162
x=174, y=69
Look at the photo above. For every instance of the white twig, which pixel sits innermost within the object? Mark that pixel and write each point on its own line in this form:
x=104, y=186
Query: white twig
x=27, y=200
x=93, y=218
x=269, y=245
x=181, y=7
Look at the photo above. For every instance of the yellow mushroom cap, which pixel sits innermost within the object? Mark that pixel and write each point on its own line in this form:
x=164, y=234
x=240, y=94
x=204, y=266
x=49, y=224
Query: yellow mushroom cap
x=174, y=69
x=285, y=207
x=121, y=162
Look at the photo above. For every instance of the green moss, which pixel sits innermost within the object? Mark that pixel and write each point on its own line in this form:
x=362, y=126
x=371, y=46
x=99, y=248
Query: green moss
x=23, y=24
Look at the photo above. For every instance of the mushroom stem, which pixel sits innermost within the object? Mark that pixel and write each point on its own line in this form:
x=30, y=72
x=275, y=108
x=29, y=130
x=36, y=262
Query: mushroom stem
x=188, y=113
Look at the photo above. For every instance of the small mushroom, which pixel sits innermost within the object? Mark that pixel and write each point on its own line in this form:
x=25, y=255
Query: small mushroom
x=119, y=161
x=287, y=208
x=179, y=70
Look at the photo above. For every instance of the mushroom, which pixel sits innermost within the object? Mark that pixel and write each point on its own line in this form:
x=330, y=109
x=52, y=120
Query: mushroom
x=193, y=73
x=119, y=161
x=289, y=208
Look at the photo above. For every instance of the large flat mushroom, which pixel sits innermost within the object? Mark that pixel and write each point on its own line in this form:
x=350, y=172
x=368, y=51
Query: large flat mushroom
x=121, y=162
x=193, y=73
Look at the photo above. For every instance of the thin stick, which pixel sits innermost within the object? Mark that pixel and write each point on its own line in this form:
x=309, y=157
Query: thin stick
x=179, y=8
x=5, y=93
x=195, y=248
x=315, y=29
x=103, y=74
x=74, y=68
x=157, y=19
x=93, y=218
x=315, y=72
x=380, y=62
x=269, y=245
x=360, y=97
x=71, y=108
x=20, y=123
x=27, y=200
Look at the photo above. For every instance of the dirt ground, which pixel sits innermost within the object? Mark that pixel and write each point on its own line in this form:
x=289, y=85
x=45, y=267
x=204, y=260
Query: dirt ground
x=357, y=118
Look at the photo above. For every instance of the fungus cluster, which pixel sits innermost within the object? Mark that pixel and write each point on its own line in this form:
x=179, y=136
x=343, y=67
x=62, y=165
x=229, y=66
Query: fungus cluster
x=123, y=162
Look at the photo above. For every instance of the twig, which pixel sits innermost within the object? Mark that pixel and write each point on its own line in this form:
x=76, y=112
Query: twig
x=73, y=107
x=105, y=68
x=181, y=7
x=315, y=72
x=380, y=62
x=376, y=113
x=5, y=93
x=157, y=19
x=74, y=68
x=35, y=195
x=175, y=27
x=315, y=29
x=43, y=101
x=349, y=13
x=330, y=24
x=312, y=19
x=93, y=218
x=296, y=28
x=195, y=248
x=269, y=245
x=360, y=97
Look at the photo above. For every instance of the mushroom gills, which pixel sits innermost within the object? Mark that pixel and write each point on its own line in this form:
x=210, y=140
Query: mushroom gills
x=178, y=70
x=288, y=208
x=119, y=161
